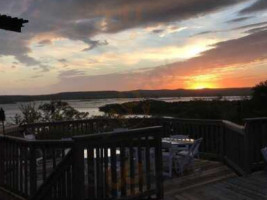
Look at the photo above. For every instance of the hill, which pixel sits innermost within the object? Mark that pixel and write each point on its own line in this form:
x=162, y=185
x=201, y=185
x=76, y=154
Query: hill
x=127, y=94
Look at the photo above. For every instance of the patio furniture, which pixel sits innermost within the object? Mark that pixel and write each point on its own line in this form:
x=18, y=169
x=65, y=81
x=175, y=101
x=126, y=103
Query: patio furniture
x=167, y=158
x=173, y=146
x=185, y=158
x=193, y=150
x=264, y=153
x=180, y=137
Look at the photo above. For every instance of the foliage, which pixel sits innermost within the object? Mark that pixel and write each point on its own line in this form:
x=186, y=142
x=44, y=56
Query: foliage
x=30, y=113
x=48, y=112
x=60, y=111
x=260, y=93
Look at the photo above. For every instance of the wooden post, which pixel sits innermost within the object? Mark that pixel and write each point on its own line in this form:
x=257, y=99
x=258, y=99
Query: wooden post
x=158, y=162
x=222, y=142
x=33, y=171
x=1, y=162
x=78, y=170
x=247, y=150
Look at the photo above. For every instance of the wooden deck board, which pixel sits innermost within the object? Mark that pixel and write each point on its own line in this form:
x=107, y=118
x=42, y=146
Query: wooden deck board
x=196, y=184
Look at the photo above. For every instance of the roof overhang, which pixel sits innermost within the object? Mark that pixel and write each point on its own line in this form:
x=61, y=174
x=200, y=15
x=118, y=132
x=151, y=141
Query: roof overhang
x=11, y=24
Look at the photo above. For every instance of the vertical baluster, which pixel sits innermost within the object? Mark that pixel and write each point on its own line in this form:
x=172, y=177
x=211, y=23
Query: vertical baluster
x=132, y=171
x=44, y=163
x=26, y=171
x=158, y=161
x=114, y=172
x=54, y=157
x=78, y=170
x=91, y=174
x=33, y=171
x=148, y=170
x=123, y=170
x=21, y=168
x=1, y=161
x=69, y=183
x=140, y=165
x=107, y=175
x=97, y=161
x=16, y=167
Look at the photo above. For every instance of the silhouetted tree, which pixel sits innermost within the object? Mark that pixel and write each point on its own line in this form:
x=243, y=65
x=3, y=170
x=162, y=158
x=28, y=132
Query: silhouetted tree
x=260, y=93
x=48, y=112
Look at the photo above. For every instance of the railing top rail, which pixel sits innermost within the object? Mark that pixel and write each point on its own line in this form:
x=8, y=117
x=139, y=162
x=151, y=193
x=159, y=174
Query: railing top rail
x=110, y=119
x=236, y=127
x=148, y=131
x=256, y=119
x=37, y=142
x=196, y=120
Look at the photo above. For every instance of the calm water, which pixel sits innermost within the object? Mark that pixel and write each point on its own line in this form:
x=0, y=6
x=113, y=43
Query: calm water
x=92, y=105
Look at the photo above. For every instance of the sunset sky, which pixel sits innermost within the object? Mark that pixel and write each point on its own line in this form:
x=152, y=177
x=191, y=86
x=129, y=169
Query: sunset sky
x=84, y=45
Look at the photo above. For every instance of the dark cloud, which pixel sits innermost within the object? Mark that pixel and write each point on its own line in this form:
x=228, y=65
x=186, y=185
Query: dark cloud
x=158, y=31
x=95, y=43
x=37, y=76
x=204, y=33
x=259, y=5
x=250, y=26
x=255, y=30
x=82, y=19
x=62, y=60
x=238, y=19
x=71, y=73
x=44, y=43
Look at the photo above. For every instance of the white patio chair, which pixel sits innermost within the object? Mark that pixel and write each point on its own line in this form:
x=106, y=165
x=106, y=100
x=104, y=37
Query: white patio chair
x=185, y=158
x=32, y=137
x=193, y=150
x=167, y=159
x=264, y=153
x=180, y=137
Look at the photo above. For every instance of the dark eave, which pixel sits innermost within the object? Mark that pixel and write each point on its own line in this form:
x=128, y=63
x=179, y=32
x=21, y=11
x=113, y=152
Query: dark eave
x=11, y=24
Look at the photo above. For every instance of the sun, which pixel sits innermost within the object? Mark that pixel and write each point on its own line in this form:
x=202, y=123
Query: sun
x=202, y=81
x=200, y=86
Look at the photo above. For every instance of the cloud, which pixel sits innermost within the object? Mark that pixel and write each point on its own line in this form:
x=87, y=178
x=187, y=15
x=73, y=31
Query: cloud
x=95, y=43
x=62, y=60
x=259, y=5
x=240, y=19
x=36, y=76
x=81, y=20
x=255, y=30
x=229, y=56
x=44, y=42
x=250, y=26
x=204, y=33
x=70, y=73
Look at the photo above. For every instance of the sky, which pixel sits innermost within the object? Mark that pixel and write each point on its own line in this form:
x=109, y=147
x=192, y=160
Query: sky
x=92, y=45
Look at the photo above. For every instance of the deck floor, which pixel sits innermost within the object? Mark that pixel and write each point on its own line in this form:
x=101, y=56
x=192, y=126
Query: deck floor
x=214, y=181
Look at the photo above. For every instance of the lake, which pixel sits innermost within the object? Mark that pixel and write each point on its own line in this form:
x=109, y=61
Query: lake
x=92, y=105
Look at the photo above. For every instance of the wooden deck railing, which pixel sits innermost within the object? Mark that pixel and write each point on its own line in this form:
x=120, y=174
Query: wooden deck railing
x=84, y=127
x=89, y=166
x=124, y=165
x=223, y=140
x=256, y=134
x=212, y=132
x=234, y=147
x=238, y=146
x=59, y=185
x=25, y=165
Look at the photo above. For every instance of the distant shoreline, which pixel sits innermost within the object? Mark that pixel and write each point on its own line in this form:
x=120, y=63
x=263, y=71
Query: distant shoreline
x=8, y=99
